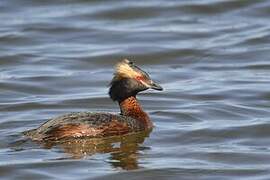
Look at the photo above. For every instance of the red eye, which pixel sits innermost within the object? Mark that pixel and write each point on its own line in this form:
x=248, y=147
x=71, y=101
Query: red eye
x=140, y=78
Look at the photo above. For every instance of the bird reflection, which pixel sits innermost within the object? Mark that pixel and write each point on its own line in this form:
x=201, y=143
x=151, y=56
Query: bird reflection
x=123, y=149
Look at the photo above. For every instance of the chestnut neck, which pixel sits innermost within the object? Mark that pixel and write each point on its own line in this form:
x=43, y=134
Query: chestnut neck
x=131, y=107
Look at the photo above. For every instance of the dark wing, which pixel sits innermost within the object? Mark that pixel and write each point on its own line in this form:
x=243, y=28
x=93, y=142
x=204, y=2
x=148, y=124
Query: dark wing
x=85, y=124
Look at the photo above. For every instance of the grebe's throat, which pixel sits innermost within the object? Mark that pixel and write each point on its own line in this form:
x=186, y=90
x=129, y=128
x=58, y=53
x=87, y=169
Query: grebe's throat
x=131, y=107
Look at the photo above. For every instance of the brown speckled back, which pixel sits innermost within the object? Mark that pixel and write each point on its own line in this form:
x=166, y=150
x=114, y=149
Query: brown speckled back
x=85, y=124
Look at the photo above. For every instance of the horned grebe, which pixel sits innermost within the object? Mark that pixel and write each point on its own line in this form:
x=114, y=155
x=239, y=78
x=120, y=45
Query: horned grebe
x=127, y=82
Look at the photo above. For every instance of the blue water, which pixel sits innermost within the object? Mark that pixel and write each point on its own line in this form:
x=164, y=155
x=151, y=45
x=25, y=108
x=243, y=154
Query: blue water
x=211, y=57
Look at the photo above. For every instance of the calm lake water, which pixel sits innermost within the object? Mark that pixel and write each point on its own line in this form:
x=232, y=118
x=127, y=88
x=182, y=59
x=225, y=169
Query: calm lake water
x=212, y=121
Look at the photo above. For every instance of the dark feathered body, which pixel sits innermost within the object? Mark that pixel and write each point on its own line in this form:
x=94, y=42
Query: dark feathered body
x=85, y=124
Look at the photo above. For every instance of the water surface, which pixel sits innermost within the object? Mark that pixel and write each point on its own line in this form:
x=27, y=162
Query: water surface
x=211, y=57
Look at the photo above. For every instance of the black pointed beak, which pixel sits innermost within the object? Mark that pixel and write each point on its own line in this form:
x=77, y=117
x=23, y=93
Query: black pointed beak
x=156, y=86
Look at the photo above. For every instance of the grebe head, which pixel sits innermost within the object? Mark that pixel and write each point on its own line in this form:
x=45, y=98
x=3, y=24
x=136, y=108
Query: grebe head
x=129, y=80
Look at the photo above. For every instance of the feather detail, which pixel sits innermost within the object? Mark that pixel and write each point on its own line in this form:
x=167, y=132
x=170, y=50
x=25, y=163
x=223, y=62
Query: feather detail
x=123, y=70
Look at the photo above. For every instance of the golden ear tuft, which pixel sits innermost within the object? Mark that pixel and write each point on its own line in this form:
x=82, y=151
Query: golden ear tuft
x=123, y=70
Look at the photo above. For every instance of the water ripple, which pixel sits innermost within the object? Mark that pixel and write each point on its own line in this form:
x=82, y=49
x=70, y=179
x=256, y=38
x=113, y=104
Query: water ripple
x=211, y=57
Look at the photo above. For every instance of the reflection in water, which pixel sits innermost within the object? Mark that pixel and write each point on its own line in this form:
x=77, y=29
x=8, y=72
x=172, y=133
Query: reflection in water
x=123, y=149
